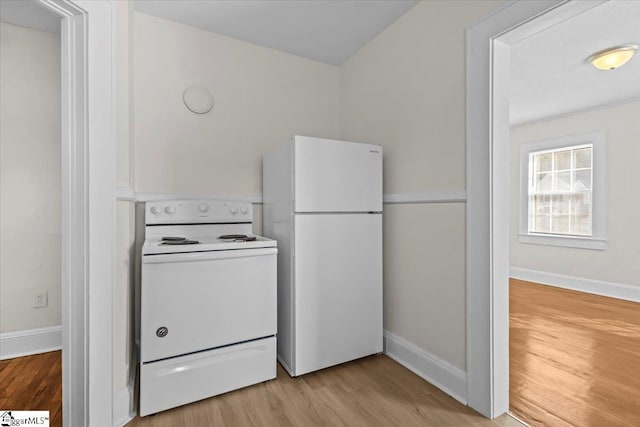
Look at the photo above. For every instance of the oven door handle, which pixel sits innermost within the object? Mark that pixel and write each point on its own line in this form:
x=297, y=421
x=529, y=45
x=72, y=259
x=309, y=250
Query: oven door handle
x=207, y=256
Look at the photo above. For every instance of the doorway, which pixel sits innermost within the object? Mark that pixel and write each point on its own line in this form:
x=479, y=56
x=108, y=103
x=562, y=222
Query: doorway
x=572, y=239
x=30, y=209
x=87, y=206
x=488, y=197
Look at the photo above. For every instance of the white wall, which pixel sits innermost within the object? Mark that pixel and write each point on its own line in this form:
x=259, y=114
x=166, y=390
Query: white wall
x=262, y=97
x=619, y=262
x=405, y=90
x=29, y=177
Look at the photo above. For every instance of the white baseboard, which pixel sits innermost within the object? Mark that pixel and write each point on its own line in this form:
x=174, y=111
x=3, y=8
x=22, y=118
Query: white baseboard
x=123, y=407
x=597, y=287
x=30, y=341
x=441, y=374
x=286, y=367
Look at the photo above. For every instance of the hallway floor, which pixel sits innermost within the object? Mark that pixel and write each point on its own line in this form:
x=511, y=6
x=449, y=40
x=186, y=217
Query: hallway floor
x=33, y=383
x=574, y=357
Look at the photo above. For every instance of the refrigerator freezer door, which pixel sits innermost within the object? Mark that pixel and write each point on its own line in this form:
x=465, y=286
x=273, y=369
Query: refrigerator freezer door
x=337, y=176
x=338, y=289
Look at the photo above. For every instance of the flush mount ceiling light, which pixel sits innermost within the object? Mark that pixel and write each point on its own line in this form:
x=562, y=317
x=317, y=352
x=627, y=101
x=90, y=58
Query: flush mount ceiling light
x=613, y=57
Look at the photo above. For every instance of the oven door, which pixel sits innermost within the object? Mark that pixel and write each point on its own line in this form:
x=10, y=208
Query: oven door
x=197, y=301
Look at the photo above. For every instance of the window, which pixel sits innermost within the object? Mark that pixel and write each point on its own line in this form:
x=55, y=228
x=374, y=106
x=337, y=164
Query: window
x=562, y=192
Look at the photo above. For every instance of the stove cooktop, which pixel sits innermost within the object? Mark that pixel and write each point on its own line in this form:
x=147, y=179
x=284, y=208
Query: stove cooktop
x=177, y=241
x=178, y=244
x=238, y=238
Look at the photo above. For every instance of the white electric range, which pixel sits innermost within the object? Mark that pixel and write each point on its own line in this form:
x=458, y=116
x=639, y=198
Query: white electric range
x=207, y=302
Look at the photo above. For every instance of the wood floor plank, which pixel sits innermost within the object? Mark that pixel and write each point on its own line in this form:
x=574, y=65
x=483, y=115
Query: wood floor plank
x=33, y=383
x=574, y=357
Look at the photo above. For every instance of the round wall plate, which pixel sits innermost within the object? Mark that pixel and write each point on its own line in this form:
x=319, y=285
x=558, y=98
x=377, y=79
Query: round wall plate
x=198, y=99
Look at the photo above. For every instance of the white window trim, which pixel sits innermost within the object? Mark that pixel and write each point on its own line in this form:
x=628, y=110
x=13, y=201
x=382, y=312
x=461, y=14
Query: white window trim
x=597, y=240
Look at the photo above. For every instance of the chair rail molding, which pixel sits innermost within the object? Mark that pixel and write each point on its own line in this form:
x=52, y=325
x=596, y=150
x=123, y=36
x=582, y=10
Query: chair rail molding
x=431, y=196
x=126, y=193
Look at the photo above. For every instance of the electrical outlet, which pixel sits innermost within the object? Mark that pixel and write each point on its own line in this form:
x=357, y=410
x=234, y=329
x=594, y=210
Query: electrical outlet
x=41, y=300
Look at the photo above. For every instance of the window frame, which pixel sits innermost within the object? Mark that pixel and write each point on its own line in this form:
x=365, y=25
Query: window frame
x=597, y=240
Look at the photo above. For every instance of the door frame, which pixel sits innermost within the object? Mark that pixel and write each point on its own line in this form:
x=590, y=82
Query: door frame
x=87, y=208
x=487, y=177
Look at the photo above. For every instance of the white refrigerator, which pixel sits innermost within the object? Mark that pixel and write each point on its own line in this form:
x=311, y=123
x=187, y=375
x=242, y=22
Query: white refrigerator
x=322, y=202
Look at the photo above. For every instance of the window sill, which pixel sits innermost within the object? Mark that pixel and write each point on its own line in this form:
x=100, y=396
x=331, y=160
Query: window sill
x=564, y=241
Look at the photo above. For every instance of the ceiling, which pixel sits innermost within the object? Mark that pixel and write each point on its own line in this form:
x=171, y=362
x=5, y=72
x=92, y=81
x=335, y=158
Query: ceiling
x=549, y=72
x=550, y=75
x=329, y=31
x=28, y=13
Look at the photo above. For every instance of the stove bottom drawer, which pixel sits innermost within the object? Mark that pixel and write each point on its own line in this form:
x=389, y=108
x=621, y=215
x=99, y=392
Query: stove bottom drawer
x=169, y=383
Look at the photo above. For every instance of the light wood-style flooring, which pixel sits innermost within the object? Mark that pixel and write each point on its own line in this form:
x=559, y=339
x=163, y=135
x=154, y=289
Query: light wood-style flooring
x=33, y=383
x=375, y=391
x=574, y=357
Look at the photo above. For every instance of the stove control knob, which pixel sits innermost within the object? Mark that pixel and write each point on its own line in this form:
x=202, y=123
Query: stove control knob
x=170, y=210
x=203, y=208
x=244, y=210
x=233, y=210
x=156, y=210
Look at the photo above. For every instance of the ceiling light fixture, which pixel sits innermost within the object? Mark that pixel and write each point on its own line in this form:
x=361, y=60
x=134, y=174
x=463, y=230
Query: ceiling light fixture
x=613, y=57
